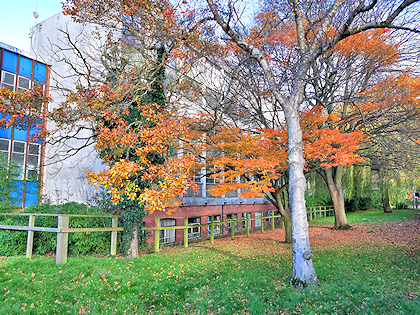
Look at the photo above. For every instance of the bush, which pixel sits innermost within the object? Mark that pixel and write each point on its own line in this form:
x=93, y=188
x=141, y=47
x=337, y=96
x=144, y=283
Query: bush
x=45, y=242
x=351, y=205
x=401, y=205
x=365, y=203
x=322, y=198
x=7, y=188
x=362, y=203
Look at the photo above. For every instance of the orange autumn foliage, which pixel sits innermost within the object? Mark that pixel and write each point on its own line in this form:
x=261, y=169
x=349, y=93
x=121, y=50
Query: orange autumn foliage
x=157, y=131
x=260, y=155
x=24, y=109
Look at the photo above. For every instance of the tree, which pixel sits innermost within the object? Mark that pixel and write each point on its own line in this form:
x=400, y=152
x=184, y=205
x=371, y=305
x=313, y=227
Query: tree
x=311, y=24
x=317, y=28
x=391, y=111
x=255, y=161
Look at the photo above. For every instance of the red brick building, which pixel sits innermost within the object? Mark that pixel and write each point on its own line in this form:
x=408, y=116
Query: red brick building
x=199, y=210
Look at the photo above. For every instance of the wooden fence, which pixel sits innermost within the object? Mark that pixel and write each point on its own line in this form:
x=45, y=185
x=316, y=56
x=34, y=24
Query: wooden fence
x=319, y=212
x=313, y=213
x=62, y=231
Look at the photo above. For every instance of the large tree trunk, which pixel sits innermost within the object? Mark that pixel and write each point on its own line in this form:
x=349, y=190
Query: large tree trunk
x=282, y=205
x=303, y=272
x=333, y=178
x=133, y=251
x=383, y=179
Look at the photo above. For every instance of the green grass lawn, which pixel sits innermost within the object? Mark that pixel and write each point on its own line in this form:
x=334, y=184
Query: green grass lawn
x=226, y=278
x=375, y=216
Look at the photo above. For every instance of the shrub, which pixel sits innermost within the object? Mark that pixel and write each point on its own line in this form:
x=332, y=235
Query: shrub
x=45, y=242
x=401, y=205
x=351, y=205
x=365, y=203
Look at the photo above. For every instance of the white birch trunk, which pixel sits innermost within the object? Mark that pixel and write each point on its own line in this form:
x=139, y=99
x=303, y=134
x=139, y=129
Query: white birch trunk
x=303, y=272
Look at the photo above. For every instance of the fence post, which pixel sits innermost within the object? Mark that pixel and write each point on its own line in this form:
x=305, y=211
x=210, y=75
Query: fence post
x=232, y=228
x=272, y=220
x=157, y=234
x=212, y=229
x=114, y=236
x=30, y=242
x=247, y=224
x=262, y=222
x=186, y=233
x=62, y=239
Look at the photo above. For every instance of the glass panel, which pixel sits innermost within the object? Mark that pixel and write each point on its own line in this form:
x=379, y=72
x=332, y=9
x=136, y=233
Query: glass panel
x=33, y=148
x=8, y=78
x=20, y=134
x=33, y=161
x=25, y=66
x=258, y=222
x=4, y=145
x=18, y=158
x=23, y=83
x=39, y=71
x=8, y=81
x=9, y=61
x=36, y=83
x=19, y=147
x=32, y=175
x=167, y=222
x=216, y=227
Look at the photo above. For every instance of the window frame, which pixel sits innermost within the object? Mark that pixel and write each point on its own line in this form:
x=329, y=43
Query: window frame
x=20, y=168
x=167, y=236
x=195, y=231
x=23, y=88
x=2, y=84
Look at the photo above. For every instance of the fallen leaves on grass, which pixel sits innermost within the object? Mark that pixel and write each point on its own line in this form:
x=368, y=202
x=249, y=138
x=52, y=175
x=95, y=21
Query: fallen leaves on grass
x=405, y=233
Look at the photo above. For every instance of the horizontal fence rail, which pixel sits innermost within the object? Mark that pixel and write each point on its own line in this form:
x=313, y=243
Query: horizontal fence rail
x=319, y=212
x=62, y=231
x=312, y=213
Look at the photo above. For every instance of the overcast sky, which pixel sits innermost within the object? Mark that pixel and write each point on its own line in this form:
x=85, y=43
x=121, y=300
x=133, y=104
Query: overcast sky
x=16, y=19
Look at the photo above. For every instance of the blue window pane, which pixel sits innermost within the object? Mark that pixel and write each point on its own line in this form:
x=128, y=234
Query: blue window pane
x=9, y=61
x=20, y=134
x=39, y=72
x=6, y=133
x=25, y=67
x=32, y=133
x=31, y=194
x=16, y=193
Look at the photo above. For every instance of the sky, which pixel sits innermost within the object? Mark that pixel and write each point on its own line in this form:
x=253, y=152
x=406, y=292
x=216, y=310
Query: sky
x=16, y=19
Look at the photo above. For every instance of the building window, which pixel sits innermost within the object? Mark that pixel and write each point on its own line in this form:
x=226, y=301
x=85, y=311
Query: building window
x=167, y=235
x=33, y=161
x=194, y=232
x=8, y=80
x=190, y=192
x=4, y=147
x=269, y=214
x=210, y=181
x=235, y=224
x=23, y=83
x=258, y=222
x=18, y=157
x=36, y=83
x=216, y=227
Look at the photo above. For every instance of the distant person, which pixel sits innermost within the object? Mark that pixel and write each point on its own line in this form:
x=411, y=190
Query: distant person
x=416, y=196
